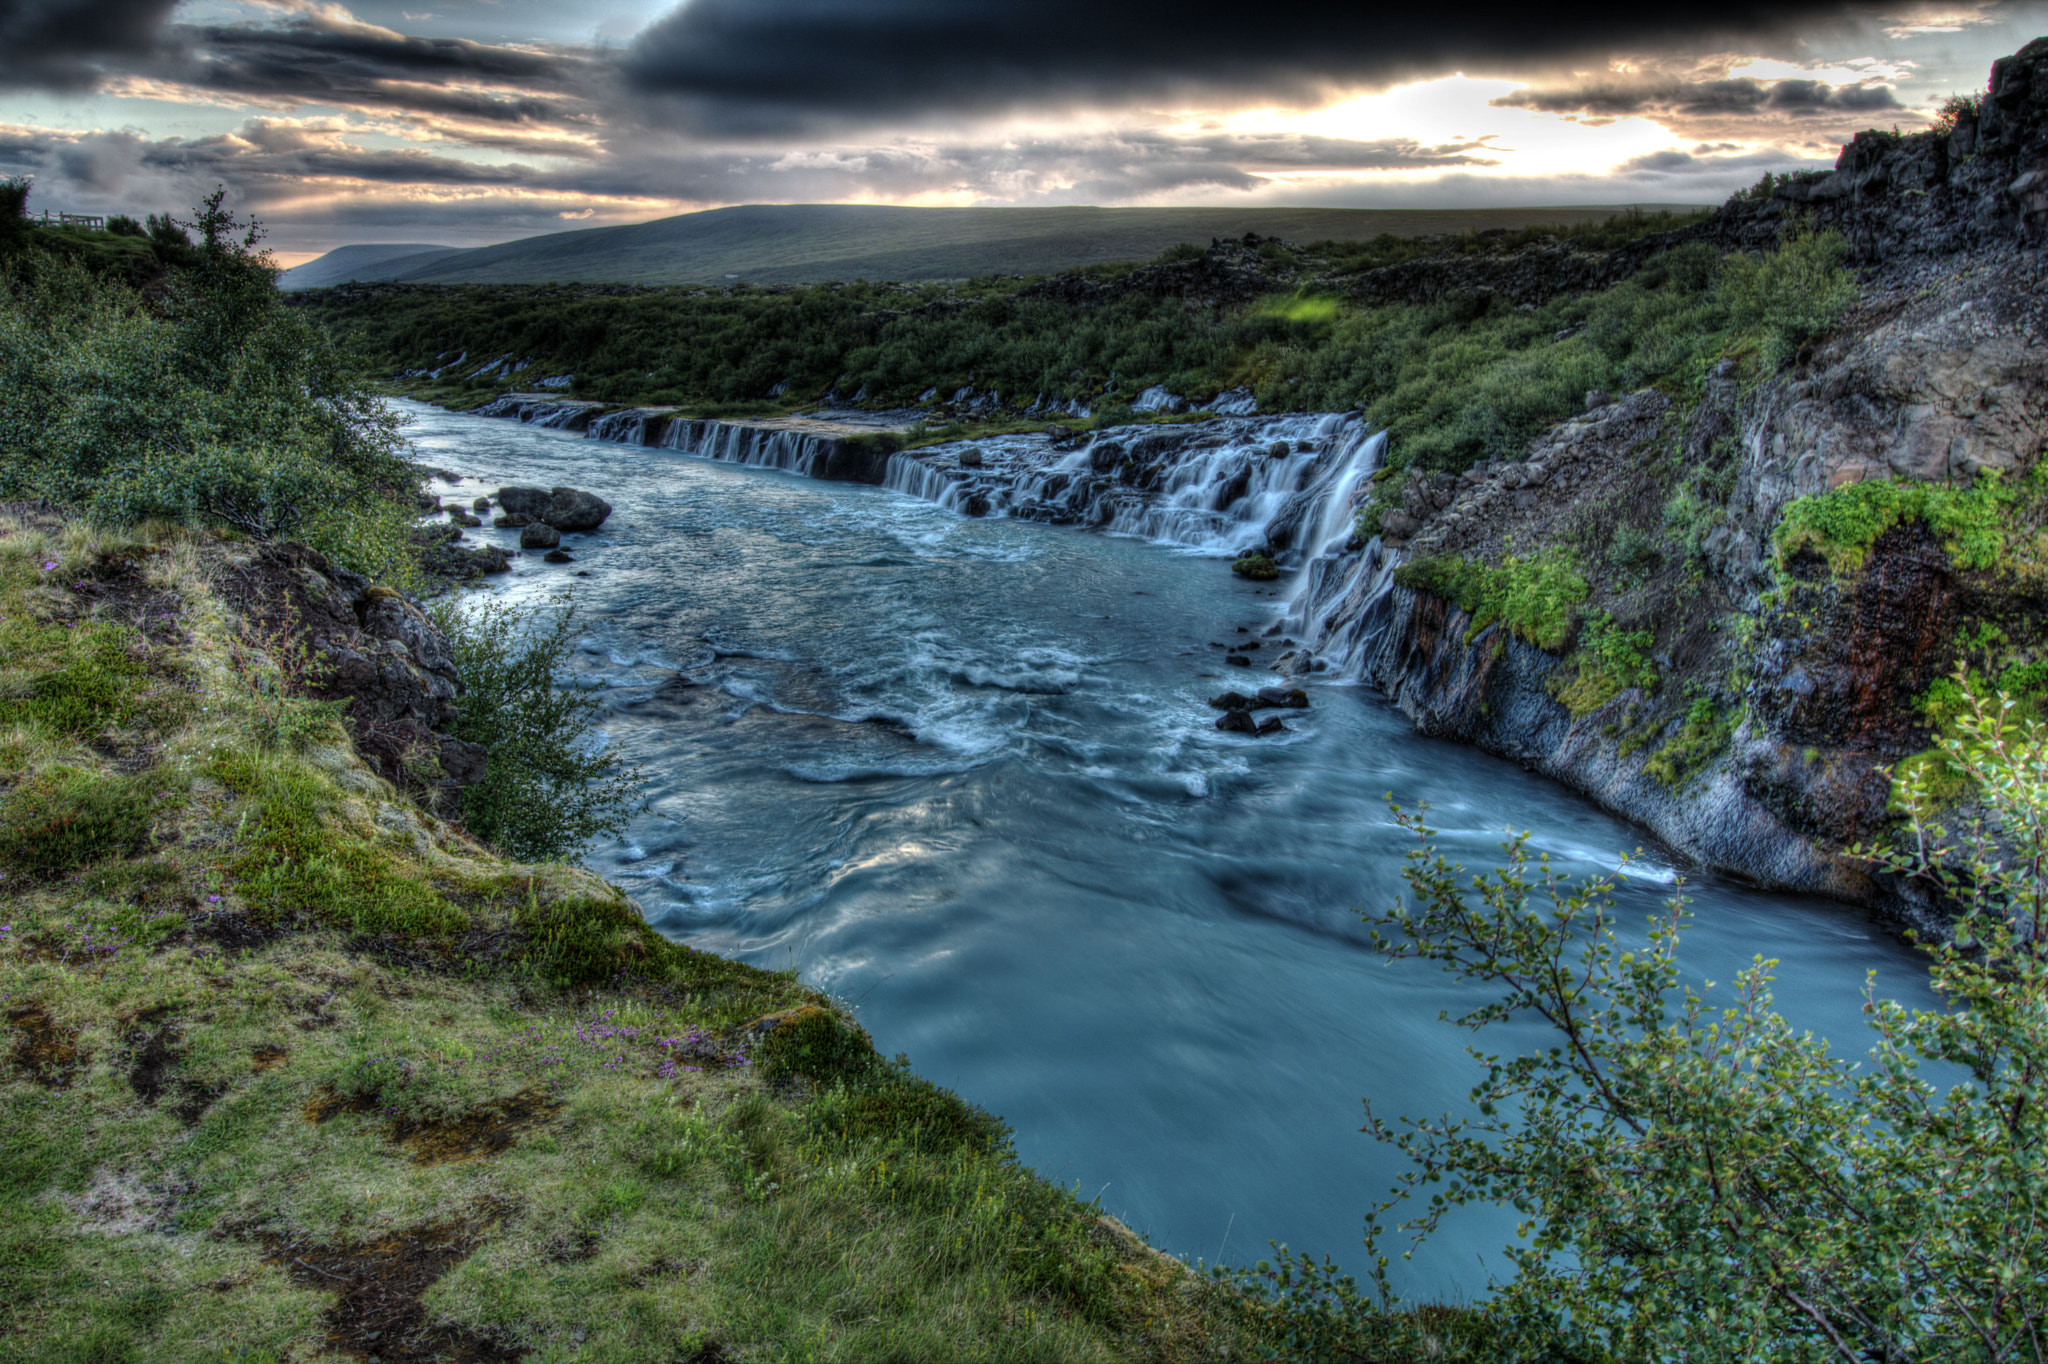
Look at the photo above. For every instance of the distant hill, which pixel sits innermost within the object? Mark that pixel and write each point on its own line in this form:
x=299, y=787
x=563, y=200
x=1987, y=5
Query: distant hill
x=346, y=263
x=800, y=243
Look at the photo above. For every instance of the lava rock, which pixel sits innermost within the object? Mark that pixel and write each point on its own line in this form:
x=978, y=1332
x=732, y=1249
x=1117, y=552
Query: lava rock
x=539, y=535
x=572, y=509
x=557, y=556
x=531, y=503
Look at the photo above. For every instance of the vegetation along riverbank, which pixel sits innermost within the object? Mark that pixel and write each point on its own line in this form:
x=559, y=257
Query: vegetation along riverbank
x=1739, y=515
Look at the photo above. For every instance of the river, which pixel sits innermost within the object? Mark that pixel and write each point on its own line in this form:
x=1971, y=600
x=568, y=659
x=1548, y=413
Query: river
x=961, y=774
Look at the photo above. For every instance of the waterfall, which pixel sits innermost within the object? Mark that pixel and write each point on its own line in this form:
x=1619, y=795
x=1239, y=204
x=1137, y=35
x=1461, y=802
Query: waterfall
x=1284, y=484
x=797, y=452
x=1332, y=610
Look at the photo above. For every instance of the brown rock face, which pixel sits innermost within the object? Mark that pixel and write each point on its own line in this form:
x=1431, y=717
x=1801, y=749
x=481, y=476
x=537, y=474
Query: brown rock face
x=345, y=639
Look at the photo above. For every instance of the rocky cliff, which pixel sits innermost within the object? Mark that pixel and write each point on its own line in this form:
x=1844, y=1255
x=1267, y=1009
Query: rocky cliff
x=1772, y=572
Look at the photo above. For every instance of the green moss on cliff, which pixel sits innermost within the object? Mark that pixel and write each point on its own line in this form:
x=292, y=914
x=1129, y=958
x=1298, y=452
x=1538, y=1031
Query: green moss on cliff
x=1535, y=597
x=1841, y=524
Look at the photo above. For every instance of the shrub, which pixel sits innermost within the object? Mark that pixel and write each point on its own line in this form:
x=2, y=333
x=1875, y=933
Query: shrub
x=1957, y=110
x=1843, y=523
x=1709, y=1183
x=1701, y=737
x=1537, y=597
x=1791, y=295
x=65, y=817
x=1607, y=662
x=206, y=401
x=548, y=787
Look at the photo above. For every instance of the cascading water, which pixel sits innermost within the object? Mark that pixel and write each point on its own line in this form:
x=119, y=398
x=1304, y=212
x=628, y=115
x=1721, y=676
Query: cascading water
x=1223, y=487
x=796, y=452
x=1288, y=485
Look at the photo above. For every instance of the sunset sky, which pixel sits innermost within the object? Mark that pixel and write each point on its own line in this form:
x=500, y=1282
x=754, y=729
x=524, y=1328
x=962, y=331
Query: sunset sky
x=471, y=121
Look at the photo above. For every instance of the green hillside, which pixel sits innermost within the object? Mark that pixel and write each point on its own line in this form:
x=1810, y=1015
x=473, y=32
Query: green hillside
x=801, y=243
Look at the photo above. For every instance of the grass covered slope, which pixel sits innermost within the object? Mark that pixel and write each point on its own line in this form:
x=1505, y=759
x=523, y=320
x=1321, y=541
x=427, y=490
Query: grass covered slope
x=295, y=1071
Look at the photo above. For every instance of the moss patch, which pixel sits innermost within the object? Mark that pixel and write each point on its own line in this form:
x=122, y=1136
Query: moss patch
x=1536, y=597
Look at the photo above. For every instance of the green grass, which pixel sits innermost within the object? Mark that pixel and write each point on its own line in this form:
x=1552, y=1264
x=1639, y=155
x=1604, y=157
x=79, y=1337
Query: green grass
x=272, y=1032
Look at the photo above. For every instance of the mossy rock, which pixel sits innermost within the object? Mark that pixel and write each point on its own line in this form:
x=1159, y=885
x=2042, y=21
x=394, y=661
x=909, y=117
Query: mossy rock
x=812, y=1042
x=1257, y=567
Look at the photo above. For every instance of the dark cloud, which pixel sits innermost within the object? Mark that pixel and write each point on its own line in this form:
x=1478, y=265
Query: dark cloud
x=775, y=66
x=1610, y=99
x=321, y=60
x=67, y=44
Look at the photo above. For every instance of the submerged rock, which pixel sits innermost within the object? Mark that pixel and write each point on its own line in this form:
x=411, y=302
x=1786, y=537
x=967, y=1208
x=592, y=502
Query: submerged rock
x=557, y=556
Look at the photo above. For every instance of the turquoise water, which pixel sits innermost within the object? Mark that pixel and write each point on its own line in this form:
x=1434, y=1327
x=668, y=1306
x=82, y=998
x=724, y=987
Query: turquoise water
x=961, y=774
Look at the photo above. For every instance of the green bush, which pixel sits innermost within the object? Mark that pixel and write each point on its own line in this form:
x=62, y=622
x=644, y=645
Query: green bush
x=1705, y=1182
x=1791, y=295
x=1607, y=662
x=1700, y=739
x=1537, y=598
x=1842, y=523
x=205, y=401
x=547, y=788
x=1257, y=567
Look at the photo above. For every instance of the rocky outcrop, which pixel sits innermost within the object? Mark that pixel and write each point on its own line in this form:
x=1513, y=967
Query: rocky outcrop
x=339, y=637
x=1769, y=695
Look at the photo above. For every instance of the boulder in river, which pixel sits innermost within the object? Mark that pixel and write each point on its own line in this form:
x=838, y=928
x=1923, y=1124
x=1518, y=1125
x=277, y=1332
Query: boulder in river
x=1237, y=661
x=557, y=556
x=482, y=504
x=1231, y=700
x=573, y=509
x=1237, y=722
x=970, y=458
x=531, y=503
x=510, y=520
x=539, y=535
x=1285, y=698
x=1271, y=725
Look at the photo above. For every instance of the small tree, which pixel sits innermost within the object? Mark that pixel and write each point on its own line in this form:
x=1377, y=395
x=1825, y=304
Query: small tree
x=549, y=787
x=13, y=213
x=1706, y=1183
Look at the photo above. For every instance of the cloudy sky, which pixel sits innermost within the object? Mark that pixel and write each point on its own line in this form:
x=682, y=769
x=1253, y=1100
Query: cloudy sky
x=472, y=121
